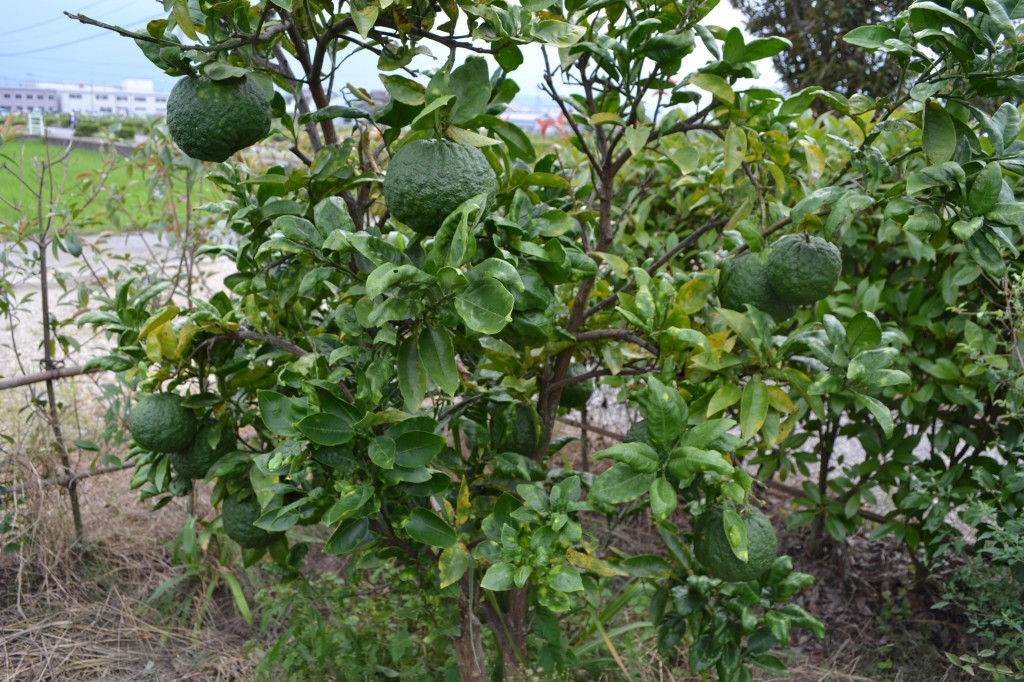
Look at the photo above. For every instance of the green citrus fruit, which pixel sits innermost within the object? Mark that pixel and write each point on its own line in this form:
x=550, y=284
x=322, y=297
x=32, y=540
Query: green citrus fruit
x=712, y=549
x=637, y=433
x=515, y=427
x=803, y=269
x=669, y=47
x=159, y=422
x=195, y=460
x=211, y=120
x=744, y=280
x=528, y=329
x=575, y=396
x=238, y=514
x=428, y=179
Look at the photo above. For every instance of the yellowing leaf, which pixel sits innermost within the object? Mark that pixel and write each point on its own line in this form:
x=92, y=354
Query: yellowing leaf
x=606, y=117
x=780, y=400
x=716, y=85
x=735, y=149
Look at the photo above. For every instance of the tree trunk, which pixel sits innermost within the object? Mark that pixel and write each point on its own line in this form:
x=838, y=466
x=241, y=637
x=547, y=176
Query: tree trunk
x=469, y=648
x=510, y=629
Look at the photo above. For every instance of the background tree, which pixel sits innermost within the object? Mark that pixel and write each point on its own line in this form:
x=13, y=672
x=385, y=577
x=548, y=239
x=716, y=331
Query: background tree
x=819, y=55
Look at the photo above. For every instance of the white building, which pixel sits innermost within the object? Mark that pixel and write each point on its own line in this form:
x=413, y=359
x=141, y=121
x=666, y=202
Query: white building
x=28, y=99
x=133, y=97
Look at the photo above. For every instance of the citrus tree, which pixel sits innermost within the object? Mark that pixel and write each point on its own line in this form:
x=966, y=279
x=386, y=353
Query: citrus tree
x=421, y=293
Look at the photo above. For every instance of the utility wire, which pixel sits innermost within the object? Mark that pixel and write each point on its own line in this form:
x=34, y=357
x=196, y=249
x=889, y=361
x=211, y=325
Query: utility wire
x=71, y=42
x=50, y=21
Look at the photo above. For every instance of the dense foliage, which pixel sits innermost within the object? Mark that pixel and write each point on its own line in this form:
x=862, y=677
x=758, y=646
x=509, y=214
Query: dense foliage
x=401, y=389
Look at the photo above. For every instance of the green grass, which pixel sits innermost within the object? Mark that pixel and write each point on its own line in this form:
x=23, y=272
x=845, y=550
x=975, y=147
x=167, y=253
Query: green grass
x=122, y=203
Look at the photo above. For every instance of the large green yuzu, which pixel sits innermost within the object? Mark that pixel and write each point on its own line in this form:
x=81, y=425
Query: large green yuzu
x=515, y=427
x=428, y=179
x=161, y=423
x=575, y=396
x=802, y=268
x=744, y=280
x=238, y=514
x=212, y=119
x=195, y=460
x=712, y=548
x=637, y=433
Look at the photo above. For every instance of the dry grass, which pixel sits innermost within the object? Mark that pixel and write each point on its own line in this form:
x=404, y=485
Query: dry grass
x=71, y=614
x=74, y=614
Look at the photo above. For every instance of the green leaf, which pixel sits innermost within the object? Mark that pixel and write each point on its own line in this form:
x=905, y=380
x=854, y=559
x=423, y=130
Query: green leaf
x=454, y=243
x=753, y=408
x=636, y=138
x=880, y=412
x=468, y=137
x=665, y=411
x=649, y=566
x=404, y=90
x=332, y=214
x=298, y=230
x=431, y=107
x=437, y=354
x=621, y=483
x=863, y=332
x=707, y=434
x=685, y=462
x=736, y=532
x=486, y=306
x=565, y=579
x=412, y=376
x=347, y=537
x=351, y=499
x=364, y=18
x=453, y=564
x=388, y=275
x=501, y=270
x=663, y=499
x=999, y=17
x=762, y=48
x=557, y=33
x=110, y=363
x=426, y=527
x=329, y=113
x=415, y=449
x=498, y=578
x=184, y=19
x=938, y=137
x=280, y=413
x=1008, y=214
x=326, y=429
x=798, y=103
x=725, y=397
x=219, y=71
x=381, y=452
x=639, y=456
x=470, y=83
x=870, y=37
x=985, y=189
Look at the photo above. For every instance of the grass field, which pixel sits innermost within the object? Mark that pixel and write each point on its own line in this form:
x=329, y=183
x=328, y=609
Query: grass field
x=123, y=202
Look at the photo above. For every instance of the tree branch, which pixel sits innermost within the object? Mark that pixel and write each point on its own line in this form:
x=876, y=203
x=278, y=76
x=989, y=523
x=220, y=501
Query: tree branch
x=229, y=44
x=683, y=244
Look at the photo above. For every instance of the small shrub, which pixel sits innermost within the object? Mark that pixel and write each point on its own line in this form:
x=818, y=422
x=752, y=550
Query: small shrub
x=989, y=589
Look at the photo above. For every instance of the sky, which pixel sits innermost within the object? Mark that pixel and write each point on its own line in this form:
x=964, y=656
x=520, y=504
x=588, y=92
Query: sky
x=39, y=43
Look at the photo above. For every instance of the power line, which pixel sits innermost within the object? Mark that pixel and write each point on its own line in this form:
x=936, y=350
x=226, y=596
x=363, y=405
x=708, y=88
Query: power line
x=70, y=42
x=50, y=21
